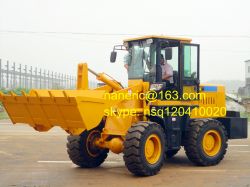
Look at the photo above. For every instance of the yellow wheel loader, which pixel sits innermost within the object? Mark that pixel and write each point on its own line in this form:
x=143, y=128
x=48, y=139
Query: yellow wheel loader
x=164, y=108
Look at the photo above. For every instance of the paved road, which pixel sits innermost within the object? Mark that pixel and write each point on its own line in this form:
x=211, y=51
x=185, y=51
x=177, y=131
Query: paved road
x=29, y=158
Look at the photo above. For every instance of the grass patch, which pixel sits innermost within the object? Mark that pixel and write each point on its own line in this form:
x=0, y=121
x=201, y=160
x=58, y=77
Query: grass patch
x=4, y=115
x=17, y=91
x=245, y=115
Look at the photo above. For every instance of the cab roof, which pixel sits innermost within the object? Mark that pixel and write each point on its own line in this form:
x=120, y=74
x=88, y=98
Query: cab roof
x=184, y=40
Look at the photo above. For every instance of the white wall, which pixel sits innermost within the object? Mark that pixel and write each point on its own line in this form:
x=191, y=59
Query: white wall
x=247, y=64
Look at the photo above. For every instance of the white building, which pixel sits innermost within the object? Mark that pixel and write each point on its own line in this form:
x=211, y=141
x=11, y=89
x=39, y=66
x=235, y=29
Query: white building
x=244, y=92
x=247, y=72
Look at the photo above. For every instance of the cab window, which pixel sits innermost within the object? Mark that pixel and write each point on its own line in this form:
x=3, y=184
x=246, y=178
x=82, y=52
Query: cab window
x=190, y=61
x=174, y=60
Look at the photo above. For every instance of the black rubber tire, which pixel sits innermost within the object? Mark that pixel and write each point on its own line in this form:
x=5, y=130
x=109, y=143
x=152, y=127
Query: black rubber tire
x=134, y=148
x=79, y=151
x=171, y=153
x=193, y=141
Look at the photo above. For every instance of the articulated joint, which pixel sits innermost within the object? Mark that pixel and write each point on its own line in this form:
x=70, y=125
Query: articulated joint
x=115, y=144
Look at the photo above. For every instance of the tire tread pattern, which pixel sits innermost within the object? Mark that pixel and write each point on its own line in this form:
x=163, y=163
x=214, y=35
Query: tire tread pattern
x=132, y=148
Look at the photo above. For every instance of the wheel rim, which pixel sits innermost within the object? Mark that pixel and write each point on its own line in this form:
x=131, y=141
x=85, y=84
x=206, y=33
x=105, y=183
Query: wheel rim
x=211, y=142
x=92, y=149
x=152, y=149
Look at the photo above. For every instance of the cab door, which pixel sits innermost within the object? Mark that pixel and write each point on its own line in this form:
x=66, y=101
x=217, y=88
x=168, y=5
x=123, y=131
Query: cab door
x=190, y=76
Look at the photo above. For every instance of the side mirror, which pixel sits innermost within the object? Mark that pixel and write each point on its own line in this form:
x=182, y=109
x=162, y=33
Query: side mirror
x=113, y=56
x=168, y=53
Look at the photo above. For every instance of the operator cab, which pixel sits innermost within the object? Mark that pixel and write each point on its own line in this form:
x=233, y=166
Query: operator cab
x=144, y=56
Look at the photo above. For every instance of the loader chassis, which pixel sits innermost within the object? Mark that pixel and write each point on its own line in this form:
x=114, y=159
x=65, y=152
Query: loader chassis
x=199, y=124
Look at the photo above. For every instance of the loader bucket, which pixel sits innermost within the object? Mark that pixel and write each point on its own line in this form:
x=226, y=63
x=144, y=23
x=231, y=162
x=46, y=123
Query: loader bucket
x=69, y=109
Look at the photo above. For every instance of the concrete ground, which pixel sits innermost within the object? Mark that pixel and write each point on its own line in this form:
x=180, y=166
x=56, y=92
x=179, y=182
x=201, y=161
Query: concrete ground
x=29, y=158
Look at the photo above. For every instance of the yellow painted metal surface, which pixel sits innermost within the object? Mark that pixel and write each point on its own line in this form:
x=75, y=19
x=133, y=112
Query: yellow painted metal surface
x=186, y=40
x=82, y=77
x=119, y=124
x=152, y=149
x=72, y=110
x=115, y=144
x=208, y=105
x=174, y=103
x=213, y=105
x=189, y=89
x=211, y=143
x=135, y=82
x=112, y=83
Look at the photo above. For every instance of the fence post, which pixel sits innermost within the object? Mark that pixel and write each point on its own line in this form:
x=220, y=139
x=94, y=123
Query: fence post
x=31, y=69
x=25, y=77
x=68, y=82
x=52, y=80
x=44, y=79
x=59, y=80
x=40, y=78
x=10, y=77
x=20, y=75
x=7, y=74
x=48, y=78
x=14, y=75
x=64, y=82
x=71, y=81
x=36, y=80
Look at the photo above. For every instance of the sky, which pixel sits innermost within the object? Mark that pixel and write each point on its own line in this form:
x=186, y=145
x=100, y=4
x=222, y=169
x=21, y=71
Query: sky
x=58, y=34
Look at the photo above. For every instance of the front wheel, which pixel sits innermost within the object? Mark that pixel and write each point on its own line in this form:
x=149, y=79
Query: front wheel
x=83, y=152
x=144, y=148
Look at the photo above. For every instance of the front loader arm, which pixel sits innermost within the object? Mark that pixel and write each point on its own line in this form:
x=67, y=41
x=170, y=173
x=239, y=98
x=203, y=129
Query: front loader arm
x=82, y=78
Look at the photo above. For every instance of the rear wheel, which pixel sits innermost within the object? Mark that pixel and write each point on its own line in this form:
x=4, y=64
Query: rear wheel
x=205, y=142
x=83, y=152
x=144, y=148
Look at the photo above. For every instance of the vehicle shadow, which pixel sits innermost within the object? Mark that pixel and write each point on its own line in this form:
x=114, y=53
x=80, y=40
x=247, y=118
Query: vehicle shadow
x=118, y=168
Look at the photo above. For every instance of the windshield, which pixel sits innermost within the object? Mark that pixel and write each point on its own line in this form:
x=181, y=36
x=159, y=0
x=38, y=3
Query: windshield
x=141, y=61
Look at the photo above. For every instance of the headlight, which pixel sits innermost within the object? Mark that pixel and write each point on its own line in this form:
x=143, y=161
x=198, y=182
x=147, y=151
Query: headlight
x=156, y=87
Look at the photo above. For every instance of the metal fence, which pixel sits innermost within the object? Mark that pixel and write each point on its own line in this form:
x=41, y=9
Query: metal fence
x=14, y=75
